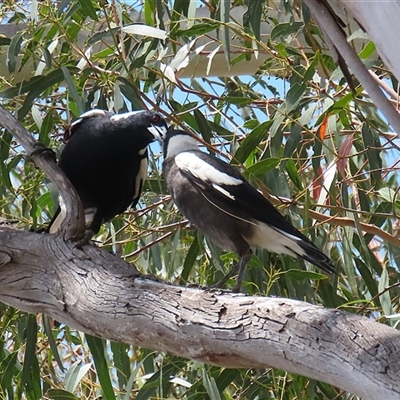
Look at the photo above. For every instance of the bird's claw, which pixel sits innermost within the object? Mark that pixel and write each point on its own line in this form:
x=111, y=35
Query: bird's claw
x=85, y=239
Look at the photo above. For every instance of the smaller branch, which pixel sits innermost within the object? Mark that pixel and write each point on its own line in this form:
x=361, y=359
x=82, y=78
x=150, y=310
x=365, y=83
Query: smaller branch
x=329, y=26
x=44, y=158
x=392, y=93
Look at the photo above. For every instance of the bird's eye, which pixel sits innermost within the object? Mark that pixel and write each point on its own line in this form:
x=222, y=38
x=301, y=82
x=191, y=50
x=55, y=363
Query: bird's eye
x=156, y=118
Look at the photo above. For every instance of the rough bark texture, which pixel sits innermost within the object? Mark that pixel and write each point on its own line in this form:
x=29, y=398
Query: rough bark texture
x=98, y=293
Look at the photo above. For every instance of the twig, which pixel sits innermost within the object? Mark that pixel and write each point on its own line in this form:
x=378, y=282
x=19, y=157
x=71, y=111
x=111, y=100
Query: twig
x=44, y=158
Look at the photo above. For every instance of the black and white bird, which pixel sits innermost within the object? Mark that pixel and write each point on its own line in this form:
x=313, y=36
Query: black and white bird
x=220, y=202
x=105, y=158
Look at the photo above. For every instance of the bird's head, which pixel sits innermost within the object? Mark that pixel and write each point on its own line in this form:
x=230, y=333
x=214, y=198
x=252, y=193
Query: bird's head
x=99, y=121
x=176, y=141
x=153, y=121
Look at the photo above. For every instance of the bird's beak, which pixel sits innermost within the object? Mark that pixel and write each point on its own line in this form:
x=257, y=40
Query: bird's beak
x=159, y=132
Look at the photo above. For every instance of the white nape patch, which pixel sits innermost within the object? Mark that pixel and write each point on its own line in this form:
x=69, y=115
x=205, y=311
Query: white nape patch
x=88, y=114
x=142, y=175
x=118, y=117
x=158, y=132
x=94, y=112
x=275, y=240
x=55, y=226
x=202, y=170
x=223, y=191
x=180, y=143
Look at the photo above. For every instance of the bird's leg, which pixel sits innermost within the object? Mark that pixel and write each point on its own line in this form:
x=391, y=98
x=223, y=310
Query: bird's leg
x=241, y=267
x=92, y=226
x=225, y=279
x=89, y=233
x=244, y=259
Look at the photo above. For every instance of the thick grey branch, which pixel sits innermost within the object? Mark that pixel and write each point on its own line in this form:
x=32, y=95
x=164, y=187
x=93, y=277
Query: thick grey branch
x=98, y=293
x=44, y=158
x=333, y=31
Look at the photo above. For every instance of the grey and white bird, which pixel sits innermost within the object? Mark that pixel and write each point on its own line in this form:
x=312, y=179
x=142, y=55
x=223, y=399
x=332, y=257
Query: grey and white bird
x=105, y=158
x=220, y=202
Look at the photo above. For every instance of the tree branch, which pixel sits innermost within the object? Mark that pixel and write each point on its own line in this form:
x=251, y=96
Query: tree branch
x=100, y=294
x=44, y=158
x=329, y=26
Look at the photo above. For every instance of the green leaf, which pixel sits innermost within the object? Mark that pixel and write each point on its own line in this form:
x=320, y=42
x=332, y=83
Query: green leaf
x=203, y=126
x=59, y=394
x=301, y=275
x=89, y=9
x=211, y=386
x=46, y=129
x=294, y=95
x=252, y=17
x=96, y=346
x=224, y=15
x=291, y=169
x=373, y=146
x=73, y=91
x=190, y=259
x=384, y=298
x=198, y=29
x=13, y=51
x=285, y=29
x=367, y=51
x=102, y=35
x=389, y=195
x=161, y=377
x=30, y=379
x=121, y=362
x=7, y=370
x=367, y=277
x=75, y=374
x=251, y=141
x=292, y=141
x=262, y=167
x=46, y=322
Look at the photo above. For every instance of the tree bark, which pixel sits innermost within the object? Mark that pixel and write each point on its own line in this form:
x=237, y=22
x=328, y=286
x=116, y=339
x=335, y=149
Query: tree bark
x=98, y=293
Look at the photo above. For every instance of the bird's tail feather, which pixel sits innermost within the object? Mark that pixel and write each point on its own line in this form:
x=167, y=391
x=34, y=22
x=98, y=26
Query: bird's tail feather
x=313, y=255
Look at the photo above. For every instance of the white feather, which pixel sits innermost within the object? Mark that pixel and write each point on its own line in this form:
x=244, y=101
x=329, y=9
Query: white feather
x=275, y=240
x=141, y=177
x=180, y=143
x=55, y=226
x=88, y=114
x=223, y=191
x=189, y=162
x=117, y=117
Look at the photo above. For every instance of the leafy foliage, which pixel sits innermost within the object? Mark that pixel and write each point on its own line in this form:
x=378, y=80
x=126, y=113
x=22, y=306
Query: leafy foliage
x=322, y=155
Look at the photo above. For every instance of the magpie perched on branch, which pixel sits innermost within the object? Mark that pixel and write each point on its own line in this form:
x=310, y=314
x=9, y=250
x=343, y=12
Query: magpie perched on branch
x=219, y=201
x=105, y=158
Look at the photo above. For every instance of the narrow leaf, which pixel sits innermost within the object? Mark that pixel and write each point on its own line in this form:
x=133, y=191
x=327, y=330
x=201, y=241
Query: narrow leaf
x=13, y=51
x=144, y=30
x=96, y=346
x=224, y=11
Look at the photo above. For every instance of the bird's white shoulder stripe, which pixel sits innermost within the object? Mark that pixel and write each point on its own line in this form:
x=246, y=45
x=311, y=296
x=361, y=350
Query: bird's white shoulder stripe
x=189, y=162
x=223, y=191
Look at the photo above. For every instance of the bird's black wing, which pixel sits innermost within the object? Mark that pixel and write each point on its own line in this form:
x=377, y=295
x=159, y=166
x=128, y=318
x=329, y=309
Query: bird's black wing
x=225, y=188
